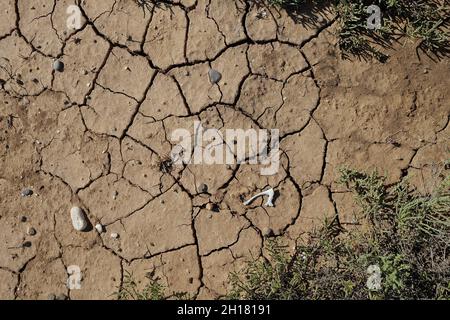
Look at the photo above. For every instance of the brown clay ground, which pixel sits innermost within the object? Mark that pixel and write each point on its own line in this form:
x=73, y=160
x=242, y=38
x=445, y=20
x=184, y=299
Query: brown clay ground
x=95, y=135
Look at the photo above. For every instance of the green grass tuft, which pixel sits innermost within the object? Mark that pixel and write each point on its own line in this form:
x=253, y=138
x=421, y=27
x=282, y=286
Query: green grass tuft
x=424, y=20
x=405, y=234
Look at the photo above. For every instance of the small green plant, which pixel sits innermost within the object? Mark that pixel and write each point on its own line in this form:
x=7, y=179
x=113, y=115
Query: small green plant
x=395, y=269
x=424, y=20
x=152, y=290
x=130, y=290
x=406, y=238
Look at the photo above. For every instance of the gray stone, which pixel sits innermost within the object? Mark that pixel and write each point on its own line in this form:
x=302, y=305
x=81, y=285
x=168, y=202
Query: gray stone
x=26, y=192
x=214, y=76
x=58, y=65
x=78, y=217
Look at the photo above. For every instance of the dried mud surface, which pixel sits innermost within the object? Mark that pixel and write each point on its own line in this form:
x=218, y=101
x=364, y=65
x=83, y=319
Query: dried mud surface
x=96, y=135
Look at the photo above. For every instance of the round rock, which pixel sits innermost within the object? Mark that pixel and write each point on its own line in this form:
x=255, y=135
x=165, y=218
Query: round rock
x=58, y=65
x=78, y=217
x=214, y=76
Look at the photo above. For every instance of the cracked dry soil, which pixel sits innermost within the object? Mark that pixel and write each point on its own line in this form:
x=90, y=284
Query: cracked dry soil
x=96, y=136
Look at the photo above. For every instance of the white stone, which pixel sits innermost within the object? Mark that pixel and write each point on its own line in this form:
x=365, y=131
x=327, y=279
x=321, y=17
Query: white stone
x=78, y=217
x=99, y=227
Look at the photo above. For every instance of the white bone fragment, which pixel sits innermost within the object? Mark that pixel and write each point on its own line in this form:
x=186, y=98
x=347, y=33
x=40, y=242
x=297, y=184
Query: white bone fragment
x=270, y=193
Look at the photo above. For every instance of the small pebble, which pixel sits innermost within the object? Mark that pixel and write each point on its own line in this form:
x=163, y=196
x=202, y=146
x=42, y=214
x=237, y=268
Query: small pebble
x=79, y=221
x=115, y=194
x=214, y=76
x=58, y=65
x=23, y=219
x=26, y=192
x=99, y=228
x=203, y=188
x=31, y=231
x=114, y=235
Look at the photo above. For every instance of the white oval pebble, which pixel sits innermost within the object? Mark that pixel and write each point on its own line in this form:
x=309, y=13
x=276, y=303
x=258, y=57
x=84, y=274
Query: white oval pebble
x=79, y=221
x=99, y=227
